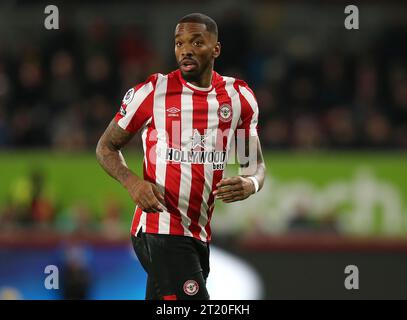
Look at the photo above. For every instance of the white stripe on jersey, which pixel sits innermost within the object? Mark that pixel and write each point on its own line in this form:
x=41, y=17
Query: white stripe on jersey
x=143, y=222
x=213, y=122
x=144, y=139
x=186, y=172
x=253, y=104
x=140, y=95
x=161, y=165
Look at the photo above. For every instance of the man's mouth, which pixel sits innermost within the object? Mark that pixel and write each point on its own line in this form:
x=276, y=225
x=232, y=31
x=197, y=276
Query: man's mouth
x=188, y=65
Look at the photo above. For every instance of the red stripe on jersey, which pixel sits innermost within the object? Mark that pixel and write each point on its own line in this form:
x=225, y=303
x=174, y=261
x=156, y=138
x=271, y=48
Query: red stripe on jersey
x=136, y=220
x=199, y=122
x=152, y=222
x=173, y=171
x=170, y=297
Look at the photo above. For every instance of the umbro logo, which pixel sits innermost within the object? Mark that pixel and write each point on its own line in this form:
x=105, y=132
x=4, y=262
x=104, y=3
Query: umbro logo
x=173, y=112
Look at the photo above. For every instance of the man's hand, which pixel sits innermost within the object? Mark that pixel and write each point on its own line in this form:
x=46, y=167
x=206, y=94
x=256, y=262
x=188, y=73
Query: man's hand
x=145, y=195
x=234, y=189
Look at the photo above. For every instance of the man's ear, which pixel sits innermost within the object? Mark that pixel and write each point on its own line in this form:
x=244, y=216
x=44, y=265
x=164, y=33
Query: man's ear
x=216, y=50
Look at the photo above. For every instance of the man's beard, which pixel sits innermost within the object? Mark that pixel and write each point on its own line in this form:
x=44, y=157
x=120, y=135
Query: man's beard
x=195, y=76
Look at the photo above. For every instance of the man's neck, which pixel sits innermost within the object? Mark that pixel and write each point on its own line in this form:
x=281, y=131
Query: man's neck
x=205, y=81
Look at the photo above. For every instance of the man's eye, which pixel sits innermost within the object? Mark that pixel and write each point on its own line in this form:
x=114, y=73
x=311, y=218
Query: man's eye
x=198, y=43
x=178, y=44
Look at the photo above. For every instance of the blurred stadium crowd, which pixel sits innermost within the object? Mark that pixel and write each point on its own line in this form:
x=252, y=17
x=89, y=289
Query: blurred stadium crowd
x=62, y=92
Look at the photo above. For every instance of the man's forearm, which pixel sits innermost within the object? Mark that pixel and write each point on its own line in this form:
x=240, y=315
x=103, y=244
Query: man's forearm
x=260, y=174
x=113, y=162
x=254, y=165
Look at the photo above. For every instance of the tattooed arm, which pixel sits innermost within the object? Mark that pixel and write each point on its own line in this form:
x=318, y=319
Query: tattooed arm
x=109, y=156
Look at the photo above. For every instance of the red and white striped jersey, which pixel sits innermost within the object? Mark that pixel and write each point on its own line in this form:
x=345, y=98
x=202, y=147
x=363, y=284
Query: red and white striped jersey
x=187, y=132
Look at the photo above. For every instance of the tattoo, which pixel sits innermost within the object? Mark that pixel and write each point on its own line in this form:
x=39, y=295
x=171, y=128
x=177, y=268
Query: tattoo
x=109, y=155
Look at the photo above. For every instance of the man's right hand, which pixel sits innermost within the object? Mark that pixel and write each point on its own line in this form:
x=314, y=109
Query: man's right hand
x=146, y=195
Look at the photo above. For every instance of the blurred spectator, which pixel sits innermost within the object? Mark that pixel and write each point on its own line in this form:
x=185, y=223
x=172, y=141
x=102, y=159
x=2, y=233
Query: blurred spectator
x=42, y=209
x=377, y=131
x=76, y=219
x=112, y=225
x=31, y=79
x=137, y=59
x=236, y=38
x=98, y=76
x=307, y=132
x=4, y=129
x=29, y=205
x=276, y=133
x=75, y=276
x=69, y=129
x=64, y=87
x=83, y=219
x=302, y=221
x=9, y=218
x=341, y=127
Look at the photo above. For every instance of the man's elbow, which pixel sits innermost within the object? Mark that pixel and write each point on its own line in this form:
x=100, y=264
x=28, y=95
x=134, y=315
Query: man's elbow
x=100, y=146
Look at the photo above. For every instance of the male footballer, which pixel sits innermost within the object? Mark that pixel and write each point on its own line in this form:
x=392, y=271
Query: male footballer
x=190, y=120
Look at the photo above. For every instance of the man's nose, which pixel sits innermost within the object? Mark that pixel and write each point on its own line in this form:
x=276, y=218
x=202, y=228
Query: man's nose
x=187, y=51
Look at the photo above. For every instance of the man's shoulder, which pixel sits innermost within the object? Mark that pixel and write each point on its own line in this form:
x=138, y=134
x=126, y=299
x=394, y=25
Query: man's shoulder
x=150, y=80
x=241, y=88
x=153, y=79
x=158, y=77
x=237, y=82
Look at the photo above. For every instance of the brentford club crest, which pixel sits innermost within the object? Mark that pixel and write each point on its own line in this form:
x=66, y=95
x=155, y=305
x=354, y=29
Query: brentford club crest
x=225, y=113
x=191, y=287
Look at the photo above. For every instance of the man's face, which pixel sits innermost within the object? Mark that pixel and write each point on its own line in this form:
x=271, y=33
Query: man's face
x=195, y=49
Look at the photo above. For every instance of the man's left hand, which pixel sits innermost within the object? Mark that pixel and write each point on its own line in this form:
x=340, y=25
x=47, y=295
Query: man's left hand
x=234, y=189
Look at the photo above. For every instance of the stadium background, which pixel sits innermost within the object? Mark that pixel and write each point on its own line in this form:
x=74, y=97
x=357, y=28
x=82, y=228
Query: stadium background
x=333, y=105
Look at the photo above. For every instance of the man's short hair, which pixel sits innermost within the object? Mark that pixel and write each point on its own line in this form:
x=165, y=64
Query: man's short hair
x=210, y=24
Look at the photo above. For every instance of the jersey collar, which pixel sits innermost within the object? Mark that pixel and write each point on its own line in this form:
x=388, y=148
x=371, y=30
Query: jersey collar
x=196, y=88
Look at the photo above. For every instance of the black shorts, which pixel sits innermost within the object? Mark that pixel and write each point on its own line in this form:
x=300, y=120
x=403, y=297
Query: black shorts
x=177, y=266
